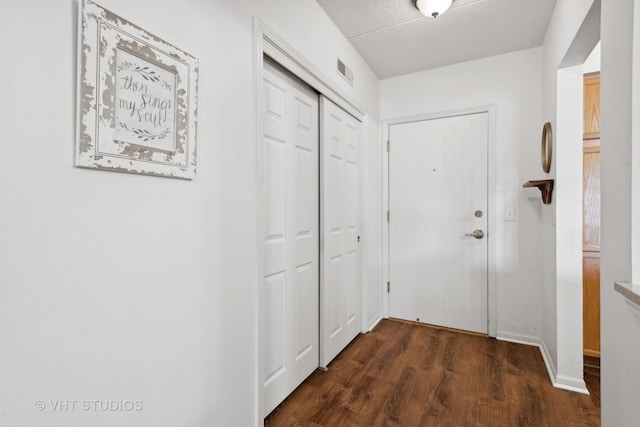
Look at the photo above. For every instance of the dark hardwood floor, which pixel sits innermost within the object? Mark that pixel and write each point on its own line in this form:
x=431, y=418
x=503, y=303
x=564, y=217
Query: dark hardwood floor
x=403, y=374
x=592, y=378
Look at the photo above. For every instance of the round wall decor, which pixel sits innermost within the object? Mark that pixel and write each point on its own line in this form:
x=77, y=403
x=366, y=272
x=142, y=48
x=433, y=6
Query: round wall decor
x=546, y=147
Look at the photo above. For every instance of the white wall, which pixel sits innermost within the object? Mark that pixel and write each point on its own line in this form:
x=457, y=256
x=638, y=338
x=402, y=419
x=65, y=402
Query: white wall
x=568, y=227
x=592, y=64
x=116, y=286
x=513, y=83
x=620, y=328
x=635, y=177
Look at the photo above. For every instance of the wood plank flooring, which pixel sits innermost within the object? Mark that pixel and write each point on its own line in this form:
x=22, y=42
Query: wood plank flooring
x=403, y=374
x=592, y=378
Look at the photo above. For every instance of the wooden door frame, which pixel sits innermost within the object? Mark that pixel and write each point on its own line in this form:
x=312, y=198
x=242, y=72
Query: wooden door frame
x=267, y=42
x=491, y=111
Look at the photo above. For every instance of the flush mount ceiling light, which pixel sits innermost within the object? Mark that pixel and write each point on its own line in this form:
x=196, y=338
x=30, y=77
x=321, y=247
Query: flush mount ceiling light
x=433, y=8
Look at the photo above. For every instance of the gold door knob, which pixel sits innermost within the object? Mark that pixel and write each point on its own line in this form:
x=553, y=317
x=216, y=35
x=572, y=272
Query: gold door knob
x=478, y=234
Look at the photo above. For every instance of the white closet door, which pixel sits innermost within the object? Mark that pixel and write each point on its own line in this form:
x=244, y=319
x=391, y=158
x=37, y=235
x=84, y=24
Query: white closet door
x=340, y=139
x=291, y=232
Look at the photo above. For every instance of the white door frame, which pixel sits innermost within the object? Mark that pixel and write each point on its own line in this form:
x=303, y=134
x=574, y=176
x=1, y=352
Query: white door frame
x=266, y=42
x=491, y=203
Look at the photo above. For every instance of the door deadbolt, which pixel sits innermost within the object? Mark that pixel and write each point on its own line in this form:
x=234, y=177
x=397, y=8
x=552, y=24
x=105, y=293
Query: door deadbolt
x=478, y=214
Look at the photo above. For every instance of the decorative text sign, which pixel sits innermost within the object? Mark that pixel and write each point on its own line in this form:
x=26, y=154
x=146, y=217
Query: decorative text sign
x=145, y=103
x=137, y=99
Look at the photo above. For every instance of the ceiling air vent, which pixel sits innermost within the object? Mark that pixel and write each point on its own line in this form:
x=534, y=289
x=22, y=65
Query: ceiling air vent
x=345, y=71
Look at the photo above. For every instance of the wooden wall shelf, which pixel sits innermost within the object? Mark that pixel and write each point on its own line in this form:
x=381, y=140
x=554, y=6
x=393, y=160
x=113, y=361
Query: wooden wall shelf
x=545, y=186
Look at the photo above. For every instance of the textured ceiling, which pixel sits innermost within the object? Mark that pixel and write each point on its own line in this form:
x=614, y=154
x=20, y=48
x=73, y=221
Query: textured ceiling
x=395, y=39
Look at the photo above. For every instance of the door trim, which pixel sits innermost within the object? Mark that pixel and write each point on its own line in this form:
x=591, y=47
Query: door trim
x=267, y=42
x=491, y=111
x=270, y=44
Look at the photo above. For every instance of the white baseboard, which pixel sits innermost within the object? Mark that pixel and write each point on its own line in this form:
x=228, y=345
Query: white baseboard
x=571, y=383
x=548, y=361
x=518, y=338
x=375, y=321
x=559, y=381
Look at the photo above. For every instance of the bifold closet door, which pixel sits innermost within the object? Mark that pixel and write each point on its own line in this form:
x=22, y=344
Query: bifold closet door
x=291, y=234
x=340, y=300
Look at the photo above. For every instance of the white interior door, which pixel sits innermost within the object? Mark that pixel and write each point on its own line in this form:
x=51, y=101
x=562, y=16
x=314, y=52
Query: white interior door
x=291, y=234
x=437, y=196
x=340, y=139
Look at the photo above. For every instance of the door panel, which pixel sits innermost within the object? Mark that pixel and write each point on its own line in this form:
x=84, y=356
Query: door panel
x=591, y=201
x=591, y=218
x=591, y=252
x=437, y=182
x=291, y=239
x=591, y=110
x=591, y=303
x=341, y=136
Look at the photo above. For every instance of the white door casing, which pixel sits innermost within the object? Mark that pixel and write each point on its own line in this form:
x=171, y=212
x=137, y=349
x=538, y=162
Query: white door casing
x=438, y=179
x=291, y=234
x=340, y=297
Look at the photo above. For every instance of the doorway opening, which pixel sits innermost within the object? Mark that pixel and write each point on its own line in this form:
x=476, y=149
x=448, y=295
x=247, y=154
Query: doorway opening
x=591, y=222
x=576, y=243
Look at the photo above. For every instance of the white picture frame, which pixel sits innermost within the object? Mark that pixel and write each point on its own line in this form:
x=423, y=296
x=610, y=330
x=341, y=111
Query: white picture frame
x=137, y=99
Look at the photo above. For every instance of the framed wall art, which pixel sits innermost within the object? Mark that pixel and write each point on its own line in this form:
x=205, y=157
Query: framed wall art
x=137, y=99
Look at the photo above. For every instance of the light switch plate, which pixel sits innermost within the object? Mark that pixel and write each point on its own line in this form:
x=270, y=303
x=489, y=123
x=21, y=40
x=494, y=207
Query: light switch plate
x=510, y=214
